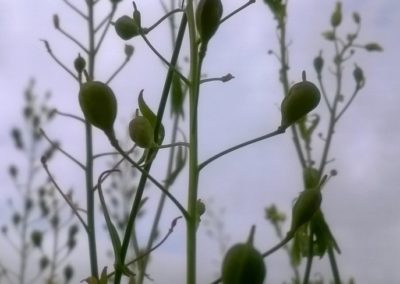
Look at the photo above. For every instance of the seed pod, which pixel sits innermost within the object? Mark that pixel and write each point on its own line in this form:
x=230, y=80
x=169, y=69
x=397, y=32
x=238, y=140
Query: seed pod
x=302, y=98
x=336, y=17
x=99, y=105
x=358, y=76
x=79, y=64
x=243, y=264
x=126, y=27
x=318, y=63
x=208, y=15
x=141, y=132
x=306, y=205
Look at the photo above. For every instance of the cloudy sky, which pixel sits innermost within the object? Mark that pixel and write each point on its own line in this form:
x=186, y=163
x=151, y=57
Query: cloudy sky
x=361, y=203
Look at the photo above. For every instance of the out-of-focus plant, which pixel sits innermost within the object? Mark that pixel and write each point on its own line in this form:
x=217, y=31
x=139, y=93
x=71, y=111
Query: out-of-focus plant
x=42, y=231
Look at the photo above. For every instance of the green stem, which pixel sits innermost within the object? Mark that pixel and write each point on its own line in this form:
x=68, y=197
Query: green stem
x=194, y=88
x=284, y=58
x=89, y=153
x=334, y=267
x=153, y=151
x=307, y=271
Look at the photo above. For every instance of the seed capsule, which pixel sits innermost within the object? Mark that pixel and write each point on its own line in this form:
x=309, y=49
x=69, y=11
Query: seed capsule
x=126, y=27
x=208, y=15
x=99, y=105
x=79, y=64
x=305, y=207
x=243, y=264
x=141, y=132
x=302, y=98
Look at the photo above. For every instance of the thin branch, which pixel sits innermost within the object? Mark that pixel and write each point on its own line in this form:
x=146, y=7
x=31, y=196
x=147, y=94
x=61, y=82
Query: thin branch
x=74, y=8
x=48, y=48
x=70, y=115
x=119, y=69
x=103, y=34
x=74, y=40
x=170, y=13
x=170, y=231
x=71, y=205
x=353, y=96
x=263, y=137
x=237, y=11
x=58, y=147
x=222, y=79
x=155, y=51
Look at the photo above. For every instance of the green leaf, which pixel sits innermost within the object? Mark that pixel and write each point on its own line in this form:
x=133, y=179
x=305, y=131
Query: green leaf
x=373, y=46
x=323, y=235
x=150, y=115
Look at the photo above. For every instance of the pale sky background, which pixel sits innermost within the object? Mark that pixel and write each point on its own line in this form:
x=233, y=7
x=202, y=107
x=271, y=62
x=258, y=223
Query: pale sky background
x=361, y=204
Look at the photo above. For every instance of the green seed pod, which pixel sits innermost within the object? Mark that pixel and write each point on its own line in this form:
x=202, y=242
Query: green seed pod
x=302, y=98
x=208, y=15
x=243, y=264
x=79, y=64
x=99, y=105
x=308, y=202
x=318, y=63
x=336, y=17
x=126, y=27
x=358, y=76
x=141, y=132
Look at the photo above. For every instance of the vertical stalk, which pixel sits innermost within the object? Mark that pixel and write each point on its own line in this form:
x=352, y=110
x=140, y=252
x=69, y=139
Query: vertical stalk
x=195, y=69
x=284, y=58
x=89, y=151
x=25, y=214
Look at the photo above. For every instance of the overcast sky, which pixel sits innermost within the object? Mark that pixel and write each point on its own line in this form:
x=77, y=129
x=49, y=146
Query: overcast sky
x=361, y=203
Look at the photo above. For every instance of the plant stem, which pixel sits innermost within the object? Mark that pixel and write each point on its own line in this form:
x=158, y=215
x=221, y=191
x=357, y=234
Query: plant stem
x=194, y=88
x=89, y=151
x=153, y=151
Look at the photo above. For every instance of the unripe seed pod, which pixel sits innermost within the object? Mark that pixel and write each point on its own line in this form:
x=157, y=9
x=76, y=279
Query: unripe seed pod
x=305, y=207
x=126, y=27
x=318, y=64
x=336, y=17
x=208, y=15
x=302, y=98
x=243, y=264
x=99, y=105
x=56, y=22
x=358, y=76
x=79, y=64
x=141, y=132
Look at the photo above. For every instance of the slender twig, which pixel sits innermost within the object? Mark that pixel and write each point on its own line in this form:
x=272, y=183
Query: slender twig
x=170, y=13
x=170, y=231
x=103, y=34
x=151, y=178
x=105, y=20
x=73, y=39
x=70, y=115
x=58, y=147
x=165, y=61
x=237, y=11
x=234, y=148
x=66, y=198
x=119, y=69
x=353, y=96
x=74, y=8
x=222, y=79
x=48, y=48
